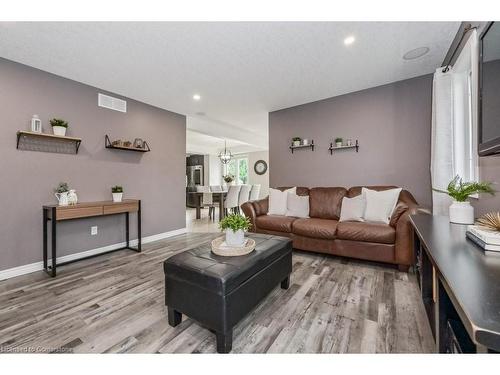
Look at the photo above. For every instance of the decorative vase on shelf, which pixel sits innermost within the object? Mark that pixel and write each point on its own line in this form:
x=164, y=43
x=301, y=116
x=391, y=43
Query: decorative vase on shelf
x=62, y=198
x=117, y=197
x=305, y=142
x=236, y=239
x=461, y=213
x=72, y=197
x=59, y=130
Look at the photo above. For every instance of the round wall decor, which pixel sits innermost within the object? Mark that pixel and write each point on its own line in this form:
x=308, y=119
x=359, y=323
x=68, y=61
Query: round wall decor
x=260, y=167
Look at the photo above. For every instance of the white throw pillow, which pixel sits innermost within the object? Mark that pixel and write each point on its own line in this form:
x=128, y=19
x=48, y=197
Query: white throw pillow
x=278, y=200
x=297, y=206
x=380, y=204
x=352, y=209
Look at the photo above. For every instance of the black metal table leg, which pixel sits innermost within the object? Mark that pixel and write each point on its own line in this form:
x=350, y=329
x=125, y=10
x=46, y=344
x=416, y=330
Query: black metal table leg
x=221, y=206
x=127, y=234
x=45, y=219
x=139, y=231
x=54, y=250
x=198, y=206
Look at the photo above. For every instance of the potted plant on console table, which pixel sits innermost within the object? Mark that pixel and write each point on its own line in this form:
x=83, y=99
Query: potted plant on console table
x=235, y=226
x=117, y=192
x=461, y=211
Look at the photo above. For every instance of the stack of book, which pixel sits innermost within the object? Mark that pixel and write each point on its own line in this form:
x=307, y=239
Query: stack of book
x=488, y=240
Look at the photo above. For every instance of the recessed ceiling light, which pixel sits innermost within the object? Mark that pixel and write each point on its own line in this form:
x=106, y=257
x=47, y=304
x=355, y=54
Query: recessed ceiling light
x=349, y=40
x=196, y=97
x=416, y=53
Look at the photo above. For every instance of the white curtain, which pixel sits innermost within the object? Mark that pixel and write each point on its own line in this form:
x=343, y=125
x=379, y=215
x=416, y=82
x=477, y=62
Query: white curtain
x=454, y=117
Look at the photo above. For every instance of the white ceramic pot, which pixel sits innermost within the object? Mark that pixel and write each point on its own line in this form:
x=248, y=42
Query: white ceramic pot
x=235, y=238
x=296, y=143
x=117, y=197
x=338, y=144
x=461, y=213
x=72, y=197
x=62, y=198
x=59, y=130
x=305, y=142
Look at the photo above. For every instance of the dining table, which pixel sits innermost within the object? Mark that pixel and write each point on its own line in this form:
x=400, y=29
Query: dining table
x=198, y=201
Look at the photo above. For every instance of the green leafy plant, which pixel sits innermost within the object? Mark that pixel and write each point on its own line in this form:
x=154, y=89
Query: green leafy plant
x=58, y=122
x=228, y=178
x=460, y=191
x=235, y=222
x=296, y=139
x=338, y=140
x=63, y=187
x=117, y=189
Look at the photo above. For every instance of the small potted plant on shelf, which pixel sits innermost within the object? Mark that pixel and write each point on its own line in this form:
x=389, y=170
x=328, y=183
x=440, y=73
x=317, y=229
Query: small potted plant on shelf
x=461, y=211
x=59, y=126
x=61, y=193
x=235, y=226
x=117, y=192
x=338, y=142
x=296, y=141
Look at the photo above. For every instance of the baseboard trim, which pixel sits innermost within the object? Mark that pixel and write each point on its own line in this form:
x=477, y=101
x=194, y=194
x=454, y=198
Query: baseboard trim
x=38, y=266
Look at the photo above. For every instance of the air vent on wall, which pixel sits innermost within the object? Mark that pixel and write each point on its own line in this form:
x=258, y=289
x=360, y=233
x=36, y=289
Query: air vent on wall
x=109, y=102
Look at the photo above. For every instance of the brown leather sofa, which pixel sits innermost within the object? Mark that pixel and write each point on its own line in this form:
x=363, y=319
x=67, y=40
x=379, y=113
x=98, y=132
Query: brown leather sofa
x=322, y=232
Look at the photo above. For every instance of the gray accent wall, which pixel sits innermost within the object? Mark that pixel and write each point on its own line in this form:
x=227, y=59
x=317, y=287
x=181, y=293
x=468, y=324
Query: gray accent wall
x=391, y=122
x=28, y=177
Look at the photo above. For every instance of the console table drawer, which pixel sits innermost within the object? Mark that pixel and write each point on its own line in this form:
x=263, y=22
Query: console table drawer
x=78, y=212
x=119, y=208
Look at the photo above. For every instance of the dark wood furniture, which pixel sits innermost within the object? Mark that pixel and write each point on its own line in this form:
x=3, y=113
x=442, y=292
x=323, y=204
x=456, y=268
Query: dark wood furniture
x=219, y=291
x=198, y=198
x=55, y=213
x=460, y=286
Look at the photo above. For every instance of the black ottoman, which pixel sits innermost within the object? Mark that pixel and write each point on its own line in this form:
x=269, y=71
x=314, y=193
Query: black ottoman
x=219, y=291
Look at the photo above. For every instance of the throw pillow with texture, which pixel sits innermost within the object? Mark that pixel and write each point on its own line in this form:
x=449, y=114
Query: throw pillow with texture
x=278, y=200
x=352, y=209
x=380, y=204
x=297, y=205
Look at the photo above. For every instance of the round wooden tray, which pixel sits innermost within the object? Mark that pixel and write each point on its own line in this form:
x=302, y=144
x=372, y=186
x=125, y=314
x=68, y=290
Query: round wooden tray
x=220, y=248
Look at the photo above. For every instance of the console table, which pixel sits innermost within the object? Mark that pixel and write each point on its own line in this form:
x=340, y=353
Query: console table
x=460, y=286
x=55, y=213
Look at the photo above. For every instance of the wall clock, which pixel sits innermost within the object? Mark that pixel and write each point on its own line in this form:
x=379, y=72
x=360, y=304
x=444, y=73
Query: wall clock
x=260, y=167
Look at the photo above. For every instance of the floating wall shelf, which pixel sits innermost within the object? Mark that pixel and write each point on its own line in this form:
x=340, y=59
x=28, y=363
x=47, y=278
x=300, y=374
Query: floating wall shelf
x=334, y=148
x=31, y=141
x=108, y=144
x=311, y=146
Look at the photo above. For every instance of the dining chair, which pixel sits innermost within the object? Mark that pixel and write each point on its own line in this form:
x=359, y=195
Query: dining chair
x=231, y=202
x=207, y=200
x=254, y=193
x=244, y=195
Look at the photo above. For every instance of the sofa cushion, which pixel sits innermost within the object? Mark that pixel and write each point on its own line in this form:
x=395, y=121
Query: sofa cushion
x=356, y=190
x=325, y=202
x=315, y=228
x=276, y=223
x=366, y=232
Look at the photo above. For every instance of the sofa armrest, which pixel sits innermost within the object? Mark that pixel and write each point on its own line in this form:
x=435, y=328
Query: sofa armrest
x=252, y=209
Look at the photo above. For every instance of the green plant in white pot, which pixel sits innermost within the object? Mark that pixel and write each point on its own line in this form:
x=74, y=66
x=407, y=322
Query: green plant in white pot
x=117, y=192
x=59, y=126
x=235, y=226
x=461, y=211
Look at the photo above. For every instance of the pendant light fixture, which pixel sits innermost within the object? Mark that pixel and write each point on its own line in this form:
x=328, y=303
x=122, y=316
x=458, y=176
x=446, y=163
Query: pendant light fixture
x=226, y=155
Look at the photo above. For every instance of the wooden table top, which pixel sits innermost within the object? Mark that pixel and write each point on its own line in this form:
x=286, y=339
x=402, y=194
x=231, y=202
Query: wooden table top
x=91, y=204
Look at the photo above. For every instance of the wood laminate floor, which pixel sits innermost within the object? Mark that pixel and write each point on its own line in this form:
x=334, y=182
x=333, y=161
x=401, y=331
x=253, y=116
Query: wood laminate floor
x=115, y=303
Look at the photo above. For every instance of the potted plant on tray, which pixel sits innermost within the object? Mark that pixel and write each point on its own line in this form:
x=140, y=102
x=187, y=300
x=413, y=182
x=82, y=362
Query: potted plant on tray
x=338, y=142
x=461, y=211
x=59, y=126
x=296, y=141
x=235, y=226
x=228, y=179
x=117, y=192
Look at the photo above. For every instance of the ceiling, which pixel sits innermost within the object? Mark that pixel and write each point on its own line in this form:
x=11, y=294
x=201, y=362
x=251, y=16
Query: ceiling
x=242, y=70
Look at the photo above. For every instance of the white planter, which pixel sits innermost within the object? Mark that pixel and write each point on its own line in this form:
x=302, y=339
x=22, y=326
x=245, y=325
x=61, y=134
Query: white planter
x=235, y=238
x=461, y=213
x=59, y=130
x=296, y=143
x=62, y=198
x=338, y=144
x=117, y=197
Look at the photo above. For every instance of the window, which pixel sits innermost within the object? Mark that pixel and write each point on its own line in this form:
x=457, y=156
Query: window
x=238, y=167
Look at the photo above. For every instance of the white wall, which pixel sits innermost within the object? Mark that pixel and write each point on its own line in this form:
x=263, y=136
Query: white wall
x=214, y=170
x=254, y=178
